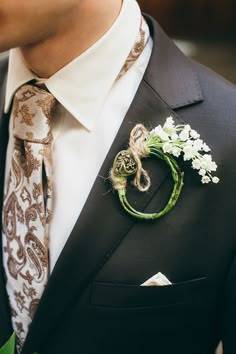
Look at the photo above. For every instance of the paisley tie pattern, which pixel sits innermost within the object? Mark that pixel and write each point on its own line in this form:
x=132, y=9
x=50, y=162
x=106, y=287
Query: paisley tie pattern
x=27, y=205
x=27, y=208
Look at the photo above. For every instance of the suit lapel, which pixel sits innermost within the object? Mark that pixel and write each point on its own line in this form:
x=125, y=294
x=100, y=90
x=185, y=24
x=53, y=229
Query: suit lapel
x=103, y=224
x=100, y=228
x=169, y=72
x=5, y=320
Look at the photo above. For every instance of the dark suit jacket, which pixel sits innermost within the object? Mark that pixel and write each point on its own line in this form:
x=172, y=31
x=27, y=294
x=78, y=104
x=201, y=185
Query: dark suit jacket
x=93, y=302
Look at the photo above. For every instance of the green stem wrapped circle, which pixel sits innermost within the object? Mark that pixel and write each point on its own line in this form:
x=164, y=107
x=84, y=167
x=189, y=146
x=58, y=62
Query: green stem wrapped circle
x=124, y=166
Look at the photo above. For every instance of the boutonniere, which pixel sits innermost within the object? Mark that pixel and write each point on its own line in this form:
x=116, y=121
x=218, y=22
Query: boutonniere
x=167, y=142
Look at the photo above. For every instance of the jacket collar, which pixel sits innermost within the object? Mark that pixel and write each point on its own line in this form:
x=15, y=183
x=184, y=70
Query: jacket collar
x=168, y=83
x=170, y=73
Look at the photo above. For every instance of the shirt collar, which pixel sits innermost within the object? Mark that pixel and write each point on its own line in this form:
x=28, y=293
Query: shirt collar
x=83, y=85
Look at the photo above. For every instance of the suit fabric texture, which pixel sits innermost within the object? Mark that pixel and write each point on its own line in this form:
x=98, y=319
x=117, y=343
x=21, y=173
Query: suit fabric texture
x=93, y=302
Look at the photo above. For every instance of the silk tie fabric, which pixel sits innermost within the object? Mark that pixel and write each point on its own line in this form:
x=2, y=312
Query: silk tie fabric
x=27, y=206
x=25, y=252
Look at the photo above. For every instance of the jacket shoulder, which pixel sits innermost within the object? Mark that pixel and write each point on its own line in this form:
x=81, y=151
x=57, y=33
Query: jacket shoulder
x=217, y=111
x=219, y=94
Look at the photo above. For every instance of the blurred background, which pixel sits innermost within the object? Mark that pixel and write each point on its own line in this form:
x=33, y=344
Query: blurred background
x=203, y=29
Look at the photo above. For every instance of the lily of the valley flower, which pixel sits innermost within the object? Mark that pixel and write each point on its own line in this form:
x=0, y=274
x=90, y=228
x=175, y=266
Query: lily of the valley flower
x=176, y=139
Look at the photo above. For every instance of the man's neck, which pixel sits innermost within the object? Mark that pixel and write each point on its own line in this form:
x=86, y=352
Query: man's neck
x=78, y=32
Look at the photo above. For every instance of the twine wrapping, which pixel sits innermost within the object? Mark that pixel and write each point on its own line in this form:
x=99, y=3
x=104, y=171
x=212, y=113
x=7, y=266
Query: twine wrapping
x=129, y=163
x=137, y=138
x=137, y=151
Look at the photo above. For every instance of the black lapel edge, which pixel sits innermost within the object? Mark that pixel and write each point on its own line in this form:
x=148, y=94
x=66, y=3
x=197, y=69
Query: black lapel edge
x=169, y=65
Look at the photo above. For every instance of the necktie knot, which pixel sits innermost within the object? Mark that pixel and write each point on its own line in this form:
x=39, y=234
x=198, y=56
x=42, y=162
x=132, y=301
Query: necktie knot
x=32, y=109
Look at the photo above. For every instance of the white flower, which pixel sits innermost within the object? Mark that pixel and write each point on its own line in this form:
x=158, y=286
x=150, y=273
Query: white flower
x=176, y=151
x=169, y=124
x=167, y=147
x=158, y=129
x=187, y=157
x=202, y=172
x=164, y=136
x=206, y=147
x=204, y=165
x=205, y=179
x=187, y=149
x=187, y=127
x=189, y=143
x=161, y=134
x=198, y=144
x=194, y=134
x=169, y=127
x=189, y=152
x=196, y=164
x=215, y=180
x=212, y=166
x=207, y=158
x=170, y=120
x=184, y=135
x=206, y=162
x=152, y=132
x=174, y=137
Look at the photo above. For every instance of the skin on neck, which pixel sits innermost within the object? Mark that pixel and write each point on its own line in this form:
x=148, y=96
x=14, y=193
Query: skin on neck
x=74, y=35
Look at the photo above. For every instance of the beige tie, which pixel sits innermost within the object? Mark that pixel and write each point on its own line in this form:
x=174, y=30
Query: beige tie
x=27, y=208
x=27, y=205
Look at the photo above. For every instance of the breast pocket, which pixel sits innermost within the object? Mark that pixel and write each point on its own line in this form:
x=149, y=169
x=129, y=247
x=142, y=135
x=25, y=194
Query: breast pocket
x=132, y=296
x=135, y=319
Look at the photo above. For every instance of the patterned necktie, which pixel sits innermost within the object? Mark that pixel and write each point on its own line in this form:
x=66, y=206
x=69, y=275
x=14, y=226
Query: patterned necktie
x=27, y=205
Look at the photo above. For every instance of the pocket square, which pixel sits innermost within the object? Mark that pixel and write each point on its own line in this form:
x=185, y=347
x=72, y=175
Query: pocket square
x=158, y=279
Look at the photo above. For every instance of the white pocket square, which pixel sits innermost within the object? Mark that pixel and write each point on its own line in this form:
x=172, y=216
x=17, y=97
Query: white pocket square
x=158, y=279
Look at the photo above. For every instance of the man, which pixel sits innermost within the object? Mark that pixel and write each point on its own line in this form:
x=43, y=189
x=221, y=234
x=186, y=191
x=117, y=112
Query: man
x=72, y=260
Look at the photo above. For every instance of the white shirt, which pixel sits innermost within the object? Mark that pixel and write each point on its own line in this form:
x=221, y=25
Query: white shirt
x=91, y=110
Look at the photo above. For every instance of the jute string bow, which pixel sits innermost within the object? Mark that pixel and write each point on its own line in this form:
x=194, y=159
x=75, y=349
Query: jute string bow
x=128, y=162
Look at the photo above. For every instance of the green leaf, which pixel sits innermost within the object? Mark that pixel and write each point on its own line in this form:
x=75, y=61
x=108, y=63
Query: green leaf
x=9, y=346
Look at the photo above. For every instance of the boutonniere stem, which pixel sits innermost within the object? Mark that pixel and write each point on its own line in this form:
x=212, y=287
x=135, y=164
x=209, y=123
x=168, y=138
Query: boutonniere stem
x=166, y=143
